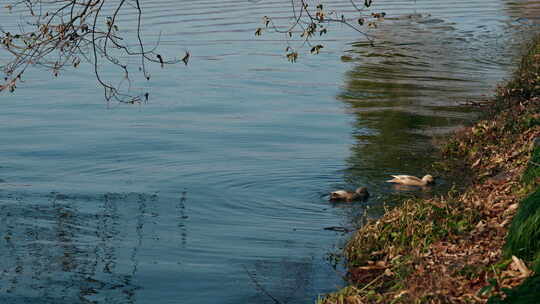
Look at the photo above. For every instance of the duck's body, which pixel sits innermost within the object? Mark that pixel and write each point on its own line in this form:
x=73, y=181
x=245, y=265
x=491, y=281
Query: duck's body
x=348, y=196
x=412, y=180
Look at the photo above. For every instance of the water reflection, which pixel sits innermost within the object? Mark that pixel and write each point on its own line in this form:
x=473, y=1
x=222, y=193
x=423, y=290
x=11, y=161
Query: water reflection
x=525, y=12
x=282, y=281
x=60, y=251
x=181, y=217
x=407, y=89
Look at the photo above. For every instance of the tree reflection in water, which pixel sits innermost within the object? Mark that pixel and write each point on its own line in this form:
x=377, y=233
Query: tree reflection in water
x=65, y=249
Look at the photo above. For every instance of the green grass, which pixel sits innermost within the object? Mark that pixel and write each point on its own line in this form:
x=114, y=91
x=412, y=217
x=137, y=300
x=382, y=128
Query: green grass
x=526, y=293
x=523, y=239
x=524, y=234
x=529, y=178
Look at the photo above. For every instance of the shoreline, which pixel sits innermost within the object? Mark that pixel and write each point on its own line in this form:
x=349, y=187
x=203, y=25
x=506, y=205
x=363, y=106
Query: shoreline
x=464, y=247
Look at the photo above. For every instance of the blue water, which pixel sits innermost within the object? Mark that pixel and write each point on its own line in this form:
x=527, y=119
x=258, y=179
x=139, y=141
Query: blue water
x=215, y=190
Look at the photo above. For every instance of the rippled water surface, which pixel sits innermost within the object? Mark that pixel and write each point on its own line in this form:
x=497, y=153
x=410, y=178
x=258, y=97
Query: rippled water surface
x=215, y=191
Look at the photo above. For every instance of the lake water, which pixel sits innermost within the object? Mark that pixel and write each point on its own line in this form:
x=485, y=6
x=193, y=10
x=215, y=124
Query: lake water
x=216, y=190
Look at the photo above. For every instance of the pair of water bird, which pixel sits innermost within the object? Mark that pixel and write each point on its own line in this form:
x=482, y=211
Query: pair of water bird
x=362, y=193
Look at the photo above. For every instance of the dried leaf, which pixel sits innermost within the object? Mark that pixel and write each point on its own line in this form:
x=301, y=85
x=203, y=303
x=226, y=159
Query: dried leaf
x=520, y=265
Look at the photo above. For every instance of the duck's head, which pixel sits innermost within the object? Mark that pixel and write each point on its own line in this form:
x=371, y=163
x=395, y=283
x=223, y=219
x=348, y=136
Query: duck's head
x=428, y=179
x=338, y=195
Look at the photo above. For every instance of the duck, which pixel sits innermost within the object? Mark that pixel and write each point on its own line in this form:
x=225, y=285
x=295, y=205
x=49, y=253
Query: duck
x=348, y=196
x=412, y=180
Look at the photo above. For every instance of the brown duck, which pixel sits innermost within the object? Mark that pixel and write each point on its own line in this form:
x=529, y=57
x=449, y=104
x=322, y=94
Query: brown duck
x=348, y=196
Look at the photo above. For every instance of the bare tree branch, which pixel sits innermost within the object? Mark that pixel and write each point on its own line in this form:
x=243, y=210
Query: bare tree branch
x=313, y=18
x=62, y=33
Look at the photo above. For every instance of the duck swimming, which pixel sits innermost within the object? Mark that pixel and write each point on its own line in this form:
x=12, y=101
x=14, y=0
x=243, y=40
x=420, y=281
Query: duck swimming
x=347, y=196
x=412, y=180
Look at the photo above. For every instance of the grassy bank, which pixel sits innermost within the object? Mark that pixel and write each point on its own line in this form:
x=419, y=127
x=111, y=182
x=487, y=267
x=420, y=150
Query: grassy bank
x=469, y=246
